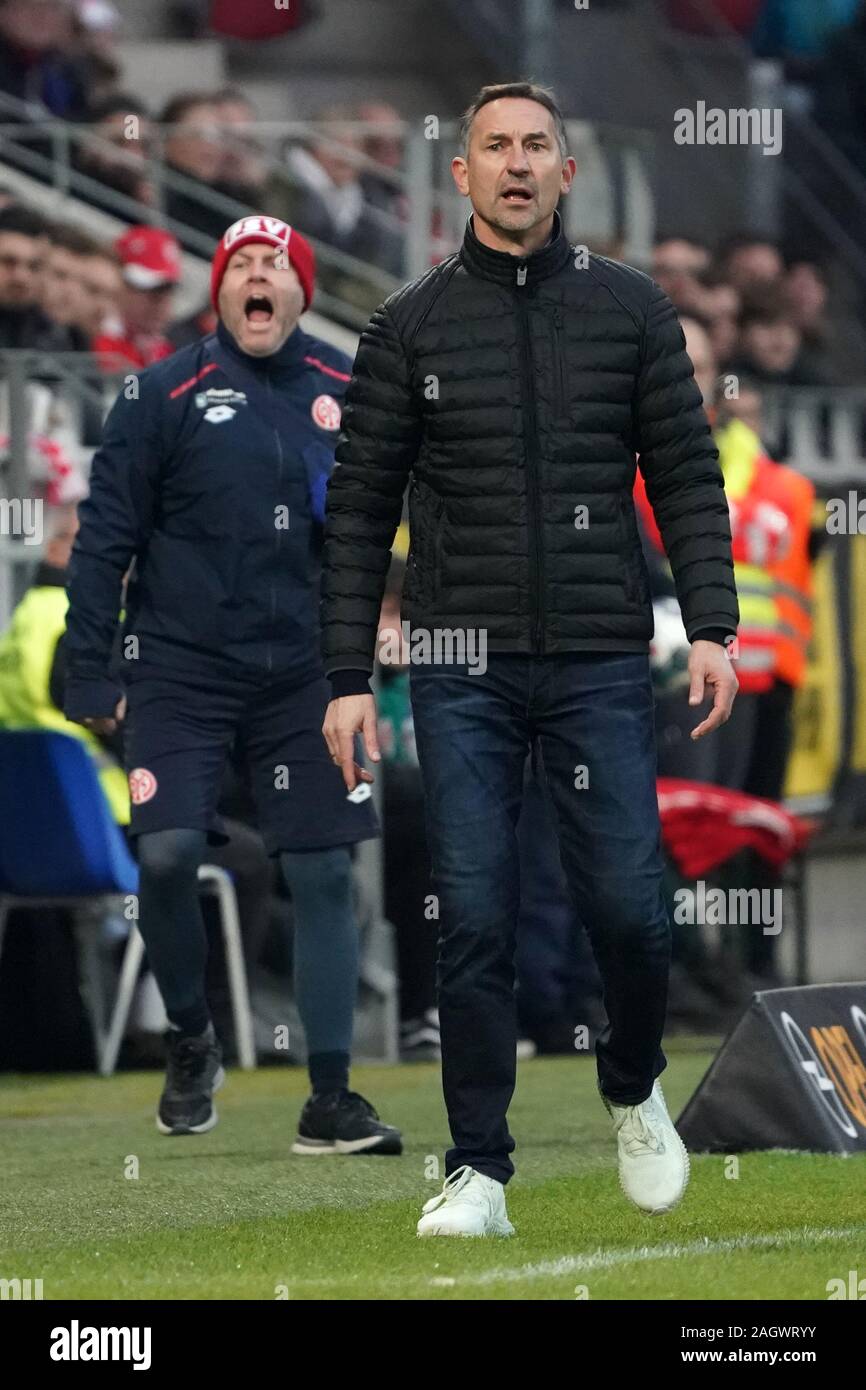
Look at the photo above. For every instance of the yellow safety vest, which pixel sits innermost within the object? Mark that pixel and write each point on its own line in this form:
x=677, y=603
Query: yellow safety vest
x=26, y=656
x=740, y=453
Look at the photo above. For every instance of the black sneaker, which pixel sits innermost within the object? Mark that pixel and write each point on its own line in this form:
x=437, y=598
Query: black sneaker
x=420, y=1040
x=342, y=1122
x=194, y=1072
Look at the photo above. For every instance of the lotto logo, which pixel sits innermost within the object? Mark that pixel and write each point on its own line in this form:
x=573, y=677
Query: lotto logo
x=326, y=413
x=142, y=785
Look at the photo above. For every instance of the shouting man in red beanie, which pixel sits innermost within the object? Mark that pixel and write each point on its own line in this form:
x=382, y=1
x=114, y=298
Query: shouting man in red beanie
x=211, y=477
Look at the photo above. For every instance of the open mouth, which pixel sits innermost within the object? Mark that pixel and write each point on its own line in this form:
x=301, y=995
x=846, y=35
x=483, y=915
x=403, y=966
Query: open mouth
x=517, y=194
x=258, y=309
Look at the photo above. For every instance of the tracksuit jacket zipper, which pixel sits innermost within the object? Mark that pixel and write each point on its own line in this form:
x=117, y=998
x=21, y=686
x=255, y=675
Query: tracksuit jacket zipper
x=532, y=461
x=276, y=527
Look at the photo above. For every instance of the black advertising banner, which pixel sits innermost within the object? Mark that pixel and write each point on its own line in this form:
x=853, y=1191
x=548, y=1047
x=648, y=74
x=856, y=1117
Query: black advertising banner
x=791, y=1075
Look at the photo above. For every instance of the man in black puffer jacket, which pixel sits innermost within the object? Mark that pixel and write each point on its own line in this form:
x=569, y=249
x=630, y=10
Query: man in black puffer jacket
x=513, y=387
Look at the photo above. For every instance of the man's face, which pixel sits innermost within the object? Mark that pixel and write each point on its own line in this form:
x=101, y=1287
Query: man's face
x=746, y=406
x=514, y=172
x=241, y=157
x=235, y=113
x=806, y=293
x=724, y=332
x=773, y=346
x=700, y=350
x=678, y=257
x=62, y=290
x=21, y=263
x=35, y=24
x=720, y=300
x=260, y=298
x=147, y=311
x=101, y=286
x=759, y=263
x=115, y=130
x=334, y=153
x=195, y=145
x=676, y=267
x=385, y=147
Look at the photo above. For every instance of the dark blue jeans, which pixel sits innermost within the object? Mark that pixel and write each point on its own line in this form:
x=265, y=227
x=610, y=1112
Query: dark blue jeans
x=473, y=732
x=556, y=974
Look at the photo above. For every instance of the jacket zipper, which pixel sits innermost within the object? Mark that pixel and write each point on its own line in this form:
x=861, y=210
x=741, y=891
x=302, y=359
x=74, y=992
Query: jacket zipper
x=561, y=405
x=427, y=572
x=532, y=464
x=276, y=530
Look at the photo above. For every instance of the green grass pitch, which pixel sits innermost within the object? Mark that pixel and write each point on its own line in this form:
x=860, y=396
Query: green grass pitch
x=233, y=1215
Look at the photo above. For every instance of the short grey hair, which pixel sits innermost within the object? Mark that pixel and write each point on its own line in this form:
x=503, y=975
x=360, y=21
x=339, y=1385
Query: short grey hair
x=528, y=91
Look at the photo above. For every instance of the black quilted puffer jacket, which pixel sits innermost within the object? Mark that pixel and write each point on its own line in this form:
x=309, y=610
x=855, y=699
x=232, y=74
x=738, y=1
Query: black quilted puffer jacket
x=514, y=394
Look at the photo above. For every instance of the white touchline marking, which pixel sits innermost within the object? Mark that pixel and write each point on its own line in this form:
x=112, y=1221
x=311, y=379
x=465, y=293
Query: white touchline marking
x=599, y=1259
x=609, y=1259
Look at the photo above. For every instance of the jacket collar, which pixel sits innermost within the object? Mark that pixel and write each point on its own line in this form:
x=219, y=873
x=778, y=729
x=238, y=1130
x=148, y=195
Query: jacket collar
x=504, y=268
x=290, y=356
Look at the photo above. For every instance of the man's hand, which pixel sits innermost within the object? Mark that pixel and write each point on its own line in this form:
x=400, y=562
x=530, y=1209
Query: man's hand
x=346, y=717
x=711, y=670
x=106, y=725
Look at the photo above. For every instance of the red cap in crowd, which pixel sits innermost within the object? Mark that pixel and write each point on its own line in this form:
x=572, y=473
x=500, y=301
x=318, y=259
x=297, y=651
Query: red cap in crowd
x=274, y=233
x=149, y=258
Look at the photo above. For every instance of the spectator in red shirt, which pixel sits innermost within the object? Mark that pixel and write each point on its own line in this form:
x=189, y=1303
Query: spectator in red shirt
x=150, y=262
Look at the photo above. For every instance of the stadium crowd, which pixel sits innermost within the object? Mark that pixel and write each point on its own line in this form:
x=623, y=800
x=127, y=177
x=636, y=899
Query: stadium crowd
x=199, y=158
x=756, y=314
x=768, y=319
x=59, y=59
x=750, y=316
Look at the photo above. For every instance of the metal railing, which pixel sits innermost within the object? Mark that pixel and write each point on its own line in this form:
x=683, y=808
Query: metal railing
x=819, y=431
x=428, y=224
x=81, y=378
x=49, y=150
x=77, y=382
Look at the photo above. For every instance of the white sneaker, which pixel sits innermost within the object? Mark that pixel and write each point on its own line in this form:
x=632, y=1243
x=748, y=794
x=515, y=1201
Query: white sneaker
x=469, y=1205
x=653, y=1162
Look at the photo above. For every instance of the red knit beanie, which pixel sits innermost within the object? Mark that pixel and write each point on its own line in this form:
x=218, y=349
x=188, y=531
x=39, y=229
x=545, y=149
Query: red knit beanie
x=275, y=233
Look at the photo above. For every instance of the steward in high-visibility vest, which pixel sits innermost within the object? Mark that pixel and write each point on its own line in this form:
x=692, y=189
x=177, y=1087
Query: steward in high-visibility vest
x=760, y=534
x=792, y=572
x=26, y=657
x=760, y=531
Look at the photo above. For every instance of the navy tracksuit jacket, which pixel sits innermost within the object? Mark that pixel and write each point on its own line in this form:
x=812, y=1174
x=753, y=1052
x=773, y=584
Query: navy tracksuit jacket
x=212, y=476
